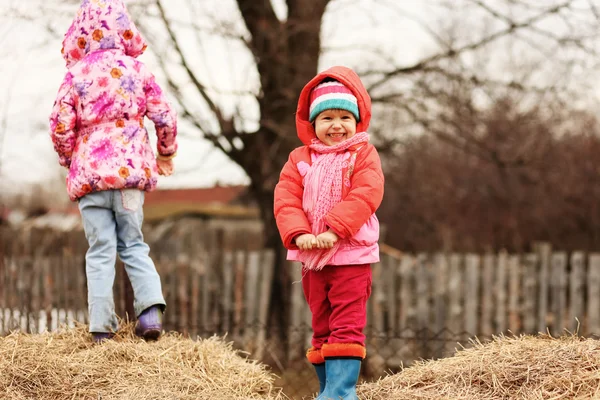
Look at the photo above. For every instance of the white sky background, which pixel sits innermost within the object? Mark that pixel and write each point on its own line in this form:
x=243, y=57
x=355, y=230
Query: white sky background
x=31, y=69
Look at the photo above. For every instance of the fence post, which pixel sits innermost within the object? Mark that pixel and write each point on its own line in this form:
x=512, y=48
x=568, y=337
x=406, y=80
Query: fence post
x=472, y=294
x=500, y=290
x=514, y=293
x=559, y=291
x=576, y=293
x=544, y=250
x=593, y=306
x=530, y=281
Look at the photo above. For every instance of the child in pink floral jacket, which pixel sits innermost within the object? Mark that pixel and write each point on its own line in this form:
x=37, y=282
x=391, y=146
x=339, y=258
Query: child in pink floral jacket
x=97, y=128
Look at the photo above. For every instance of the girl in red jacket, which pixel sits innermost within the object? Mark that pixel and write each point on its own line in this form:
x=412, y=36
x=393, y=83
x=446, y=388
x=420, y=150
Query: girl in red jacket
x=325, y=205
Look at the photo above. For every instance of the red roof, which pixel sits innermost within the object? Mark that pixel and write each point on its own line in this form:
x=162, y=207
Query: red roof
x=218, y=194
x=223, y=200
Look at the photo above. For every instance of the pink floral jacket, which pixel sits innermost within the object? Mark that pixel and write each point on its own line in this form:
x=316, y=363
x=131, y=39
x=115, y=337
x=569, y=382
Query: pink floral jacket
x=97, y=123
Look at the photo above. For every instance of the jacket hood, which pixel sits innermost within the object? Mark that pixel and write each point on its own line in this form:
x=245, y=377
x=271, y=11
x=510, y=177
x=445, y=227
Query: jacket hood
x=305, y=130
x=101, y=25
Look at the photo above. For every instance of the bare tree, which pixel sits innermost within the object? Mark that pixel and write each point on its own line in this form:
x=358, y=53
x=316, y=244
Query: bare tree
x=538, y=48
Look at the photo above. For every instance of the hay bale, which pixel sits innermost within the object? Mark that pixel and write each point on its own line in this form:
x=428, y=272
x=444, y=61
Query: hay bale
x=67, y=365
x=524, y=367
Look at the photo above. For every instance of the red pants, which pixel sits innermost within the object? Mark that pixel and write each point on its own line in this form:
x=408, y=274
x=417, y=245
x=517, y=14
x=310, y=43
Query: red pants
x=337, y=298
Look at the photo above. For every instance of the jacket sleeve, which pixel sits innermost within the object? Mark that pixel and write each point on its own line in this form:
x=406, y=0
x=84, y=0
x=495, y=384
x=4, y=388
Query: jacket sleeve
x=63, y=120
x=163, y=115
x=289, y=214
x=363, y=199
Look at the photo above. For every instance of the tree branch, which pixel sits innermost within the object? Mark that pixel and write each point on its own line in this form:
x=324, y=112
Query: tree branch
x=453, y=52
x=201, y=88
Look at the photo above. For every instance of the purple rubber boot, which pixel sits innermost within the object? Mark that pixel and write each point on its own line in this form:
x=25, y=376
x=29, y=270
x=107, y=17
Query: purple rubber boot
x=149, y=323
x=98, y=337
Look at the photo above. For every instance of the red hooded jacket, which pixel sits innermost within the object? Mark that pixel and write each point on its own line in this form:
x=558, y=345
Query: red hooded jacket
x=353, y=219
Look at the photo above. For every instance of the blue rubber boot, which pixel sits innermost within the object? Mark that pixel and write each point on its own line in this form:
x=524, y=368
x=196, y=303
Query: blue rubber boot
x=320, y=368
x=342, y=376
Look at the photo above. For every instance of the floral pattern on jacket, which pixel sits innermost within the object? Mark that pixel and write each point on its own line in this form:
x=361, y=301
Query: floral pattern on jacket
x=97, y=122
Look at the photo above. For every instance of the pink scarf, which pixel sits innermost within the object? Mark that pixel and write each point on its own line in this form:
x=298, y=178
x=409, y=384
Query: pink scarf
x=322, y=191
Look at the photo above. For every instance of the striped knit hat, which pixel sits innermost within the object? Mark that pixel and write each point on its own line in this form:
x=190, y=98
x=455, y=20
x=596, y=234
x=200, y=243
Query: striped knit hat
x=329, y=95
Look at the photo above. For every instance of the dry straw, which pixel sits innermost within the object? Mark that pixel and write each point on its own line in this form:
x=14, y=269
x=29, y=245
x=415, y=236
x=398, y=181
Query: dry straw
x=524, y=367
x=66, y=365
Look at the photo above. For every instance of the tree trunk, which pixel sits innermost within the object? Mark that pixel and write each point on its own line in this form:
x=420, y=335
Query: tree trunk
x=287, y=56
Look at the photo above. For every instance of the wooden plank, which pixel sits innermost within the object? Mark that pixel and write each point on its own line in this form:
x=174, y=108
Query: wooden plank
x=456, y=283
x=472, y=294
x=239, y=284
x=22, y=285
x=377, y=300
x=297, y=329
x=487, y=295
x=593, y=299
x=226, y=299
x=48, y=292
x=544, y=251
x=8, y=281
x=183, y=272
x=21, y=289
x=576, y=291
x=425, y=312
x=82, y=291
x=423, y=296
x=267, y=265
x=215, y=248
x=558, y=265
x=500, y=290
x=407, y=324
x=58, y=267
x=194, y=277
x=530, y=274
x=405, y=284
x=205, y=278
x=514, y=293
x=14, y=302
x=391, y=292
x=35, y=302
x=172, y=292
x=66, y=279
x=440, y=272
x=192, y=273
x=27, y=289
x=251, y=300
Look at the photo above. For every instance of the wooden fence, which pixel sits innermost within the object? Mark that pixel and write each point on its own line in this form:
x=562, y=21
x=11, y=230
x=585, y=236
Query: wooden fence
x=421, y=305
x=424, y=304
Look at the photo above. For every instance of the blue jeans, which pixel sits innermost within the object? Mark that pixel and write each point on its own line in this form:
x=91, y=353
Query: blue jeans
x=112, y=221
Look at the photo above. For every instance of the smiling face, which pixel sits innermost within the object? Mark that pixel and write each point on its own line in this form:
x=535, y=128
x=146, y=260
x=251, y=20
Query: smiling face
x=334, y=126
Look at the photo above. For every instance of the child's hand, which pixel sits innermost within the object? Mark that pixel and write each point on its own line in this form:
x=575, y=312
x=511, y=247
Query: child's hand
x=306, y=241
x=165, y=167
x=326, y=240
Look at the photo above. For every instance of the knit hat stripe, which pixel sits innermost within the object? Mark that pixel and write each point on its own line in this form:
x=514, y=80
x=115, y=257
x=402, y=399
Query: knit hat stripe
x=332, y=95
x=335, y=104
x=329, y=87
